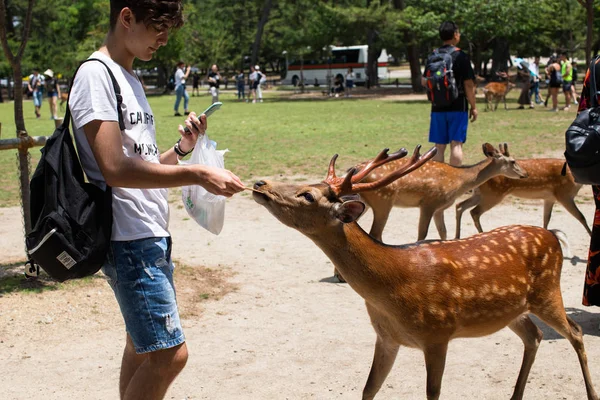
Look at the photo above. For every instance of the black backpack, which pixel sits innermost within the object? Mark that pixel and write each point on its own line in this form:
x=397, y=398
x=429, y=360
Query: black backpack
x=71, y=218
x=582, y=139
x=441, y=83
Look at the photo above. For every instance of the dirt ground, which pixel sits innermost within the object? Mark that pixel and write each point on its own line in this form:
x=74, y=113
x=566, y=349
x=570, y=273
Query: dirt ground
x=273, y=325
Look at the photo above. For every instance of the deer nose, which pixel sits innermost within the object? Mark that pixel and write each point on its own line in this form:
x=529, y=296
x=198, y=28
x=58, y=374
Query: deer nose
x=258, y=184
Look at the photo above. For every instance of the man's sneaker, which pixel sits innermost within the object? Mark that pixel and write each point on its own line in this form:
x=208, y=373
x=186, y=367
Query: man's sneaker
x=177, y=114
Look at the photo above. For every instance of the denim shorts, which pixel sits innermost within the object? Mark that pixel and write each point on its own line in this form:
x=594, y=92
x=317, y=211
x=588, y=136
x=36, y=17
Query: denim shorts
x=448, y=126
x=140, y=272
x=37, y=98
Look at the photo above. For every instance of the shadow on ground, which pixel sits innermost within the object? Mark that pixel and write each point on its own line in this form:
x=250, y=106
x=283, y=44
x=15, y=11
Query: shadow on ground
x=13, y=280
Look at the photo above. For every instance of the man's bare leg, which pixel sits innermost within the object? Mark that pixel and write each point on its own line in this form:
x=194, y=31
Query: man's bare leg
x=129, y=365
x=441, y=149
x=456, y=153
x=156, y=373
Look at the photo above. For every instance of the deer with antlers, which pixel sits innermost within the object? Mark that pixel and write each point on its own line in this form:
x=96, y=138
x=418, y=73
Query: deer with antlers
x=545, y=182
x=433, y=188
x=425, y=294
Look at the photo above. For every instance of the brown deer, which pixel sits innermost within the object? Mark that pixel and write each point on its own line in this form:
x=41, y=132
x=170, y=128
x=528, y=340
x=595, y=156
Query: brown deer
x=425, y=294
x=496, y=91
x=545, y=182
x=434, y=188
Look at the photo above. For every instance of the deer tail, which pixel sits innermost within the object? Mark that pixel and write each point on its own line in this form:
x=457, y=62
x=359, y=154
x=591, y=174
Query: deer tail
x=562, y=239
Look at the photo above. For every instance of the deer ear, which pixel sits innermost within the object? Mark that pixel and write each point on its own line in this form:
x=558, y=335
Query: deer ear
x=349, y=211
x=489, y=150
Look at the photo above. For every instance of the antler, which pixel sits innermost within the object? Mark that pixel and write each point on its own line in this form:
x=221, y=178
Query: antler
x=350, y=184
x=504, y=149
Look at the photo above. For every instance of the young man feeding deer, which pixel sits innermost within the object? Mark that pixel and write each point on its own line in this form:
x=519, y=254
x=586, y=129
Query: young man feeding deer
x=450, y=82
x=138, y=264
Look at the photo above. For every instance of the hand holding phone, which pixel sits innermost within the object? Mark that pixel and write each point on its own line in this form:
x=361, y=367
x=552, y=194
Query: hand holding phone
x=208, y=112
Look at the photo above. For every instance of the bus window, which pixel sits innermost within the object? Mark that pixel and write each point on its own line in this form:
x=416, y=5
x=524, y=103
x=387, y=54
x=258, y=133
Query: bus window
x=345, y=56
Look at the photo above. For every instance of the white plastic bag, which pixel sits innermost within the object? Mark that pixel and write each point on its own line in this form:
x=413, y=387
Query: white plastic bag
x=205, y=208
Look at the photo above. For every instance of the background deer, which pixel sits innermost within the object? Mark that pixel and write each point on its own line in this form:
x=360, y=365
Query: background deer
x=544, y=182
x=425, y=294
x=494, y=92
x=433, y=188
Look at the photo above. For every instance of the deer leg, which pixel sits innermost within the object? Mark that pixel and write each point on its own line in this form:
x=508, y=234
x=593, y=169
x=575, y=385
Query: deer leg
x=531, y=336
x=435, y=361
x=548, y=204
x=476, y=215
x=380, y=217
x=463, y=206
x=555, y=316
x=440, y=224
x=337, y=276
x=424, y=221
x=486, y=203
x=571, y=207
x=383, y=360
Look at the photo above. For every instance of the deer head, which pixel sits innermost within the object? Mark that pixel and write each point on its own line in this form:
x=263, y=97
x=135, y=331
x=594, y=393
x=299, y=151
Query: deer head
x=508, y=166
x=313, y=209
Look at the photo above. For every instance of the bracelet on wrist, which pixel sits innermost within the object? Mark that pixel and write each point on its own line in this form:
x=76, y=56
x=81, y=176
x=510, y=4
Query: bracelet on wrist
x=180, y=152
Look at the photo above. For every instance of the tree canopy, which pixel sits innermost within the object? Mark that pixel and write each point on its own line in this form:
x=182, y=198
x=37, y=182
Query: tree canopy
x=64, y=32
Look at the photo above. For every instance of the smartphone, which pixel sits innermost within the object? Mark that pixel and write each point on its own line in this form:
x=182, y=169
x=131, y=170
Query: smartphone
x=209, y=111
x=212, y=108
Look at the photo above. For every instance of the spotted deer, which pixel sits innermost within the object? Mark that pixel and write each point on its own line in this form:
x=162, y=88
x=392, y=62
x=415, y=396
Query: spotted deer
x=545, y=182
x=496, y=91
x=423, y=295
x=434, y=188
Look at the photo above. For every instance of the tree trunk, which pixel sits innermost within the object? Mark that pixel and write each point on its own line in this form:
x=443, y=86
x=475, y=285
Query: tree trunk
x=412, y=54
x=476, y=58
x=500, y=55
x=372, y=56
x=15, y=63
x=264, y=17
x=301, y=83
x=590, y=31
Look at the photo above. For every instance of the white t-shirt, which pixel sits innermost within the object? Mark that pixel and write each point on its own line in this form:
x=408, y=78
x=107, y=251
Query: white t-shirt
x=534, y=69
x=179, y=77
x=137, y=213
x=253, y=76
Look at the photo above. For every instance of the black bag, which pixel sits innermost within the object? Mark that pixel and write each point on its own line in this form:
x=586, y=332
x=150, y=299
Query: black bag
x=71, y=218
x=442, y=89
x=583, y=139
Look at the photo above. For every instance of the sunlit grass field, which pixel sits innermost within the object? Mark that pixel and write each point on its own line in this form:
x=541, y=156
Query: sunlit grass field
x=284, y=138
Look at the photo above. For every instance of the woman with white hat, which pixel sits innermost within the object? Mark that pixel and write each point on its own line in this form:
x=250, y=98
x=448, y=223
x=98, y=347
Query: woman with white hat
x=53, y=90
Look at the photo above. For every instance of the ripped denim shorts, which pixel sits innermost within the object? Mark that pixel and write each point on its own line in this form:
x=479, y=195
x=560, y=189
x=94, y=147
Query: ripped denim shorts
x=140, y=272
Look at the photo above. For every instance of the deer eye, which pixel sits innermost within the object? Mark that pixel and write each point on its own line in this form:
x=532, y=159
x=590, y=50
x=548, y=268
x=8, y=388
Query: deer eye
x=308, y=196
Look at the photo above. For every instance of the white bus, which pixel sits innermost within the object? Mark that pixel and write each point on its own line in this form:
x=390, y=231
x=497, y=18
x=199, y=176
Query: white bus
x=342, y=58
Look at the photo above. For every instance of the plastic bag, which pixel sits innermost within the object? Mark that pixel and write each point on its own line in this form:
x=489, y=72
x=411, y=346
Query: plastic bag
x=205, y=208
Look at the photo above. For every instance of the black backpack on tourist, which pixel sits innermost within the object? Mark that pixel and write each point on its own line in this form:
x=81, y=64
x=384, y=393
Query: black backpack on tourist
x=71, y=218
x=582, y=139
x=442, y=89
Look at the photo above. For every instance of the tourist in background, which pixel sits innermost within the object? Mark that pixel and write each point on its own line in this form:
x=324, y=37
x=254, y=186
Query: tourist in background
x=181, y=75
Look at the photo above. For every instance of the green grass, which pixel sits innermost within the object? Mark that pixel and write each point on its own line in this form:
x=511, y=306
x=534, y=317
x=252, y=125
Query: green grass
x=283, y=137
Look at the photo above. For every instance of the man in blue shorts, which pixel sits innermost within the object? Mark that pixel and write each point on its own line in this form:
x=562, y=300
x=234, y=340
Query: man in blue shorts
x=138, y=264
x=449, y=122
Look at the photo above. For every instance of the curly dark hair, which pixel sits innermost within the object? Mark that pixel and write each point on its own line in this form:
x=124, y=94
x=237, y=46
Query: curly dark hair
x=160, y=14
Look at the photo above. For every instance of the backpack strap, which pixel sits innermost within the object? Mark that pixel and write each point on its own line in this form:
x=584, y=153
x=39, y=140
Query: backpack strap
x=116, y=87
